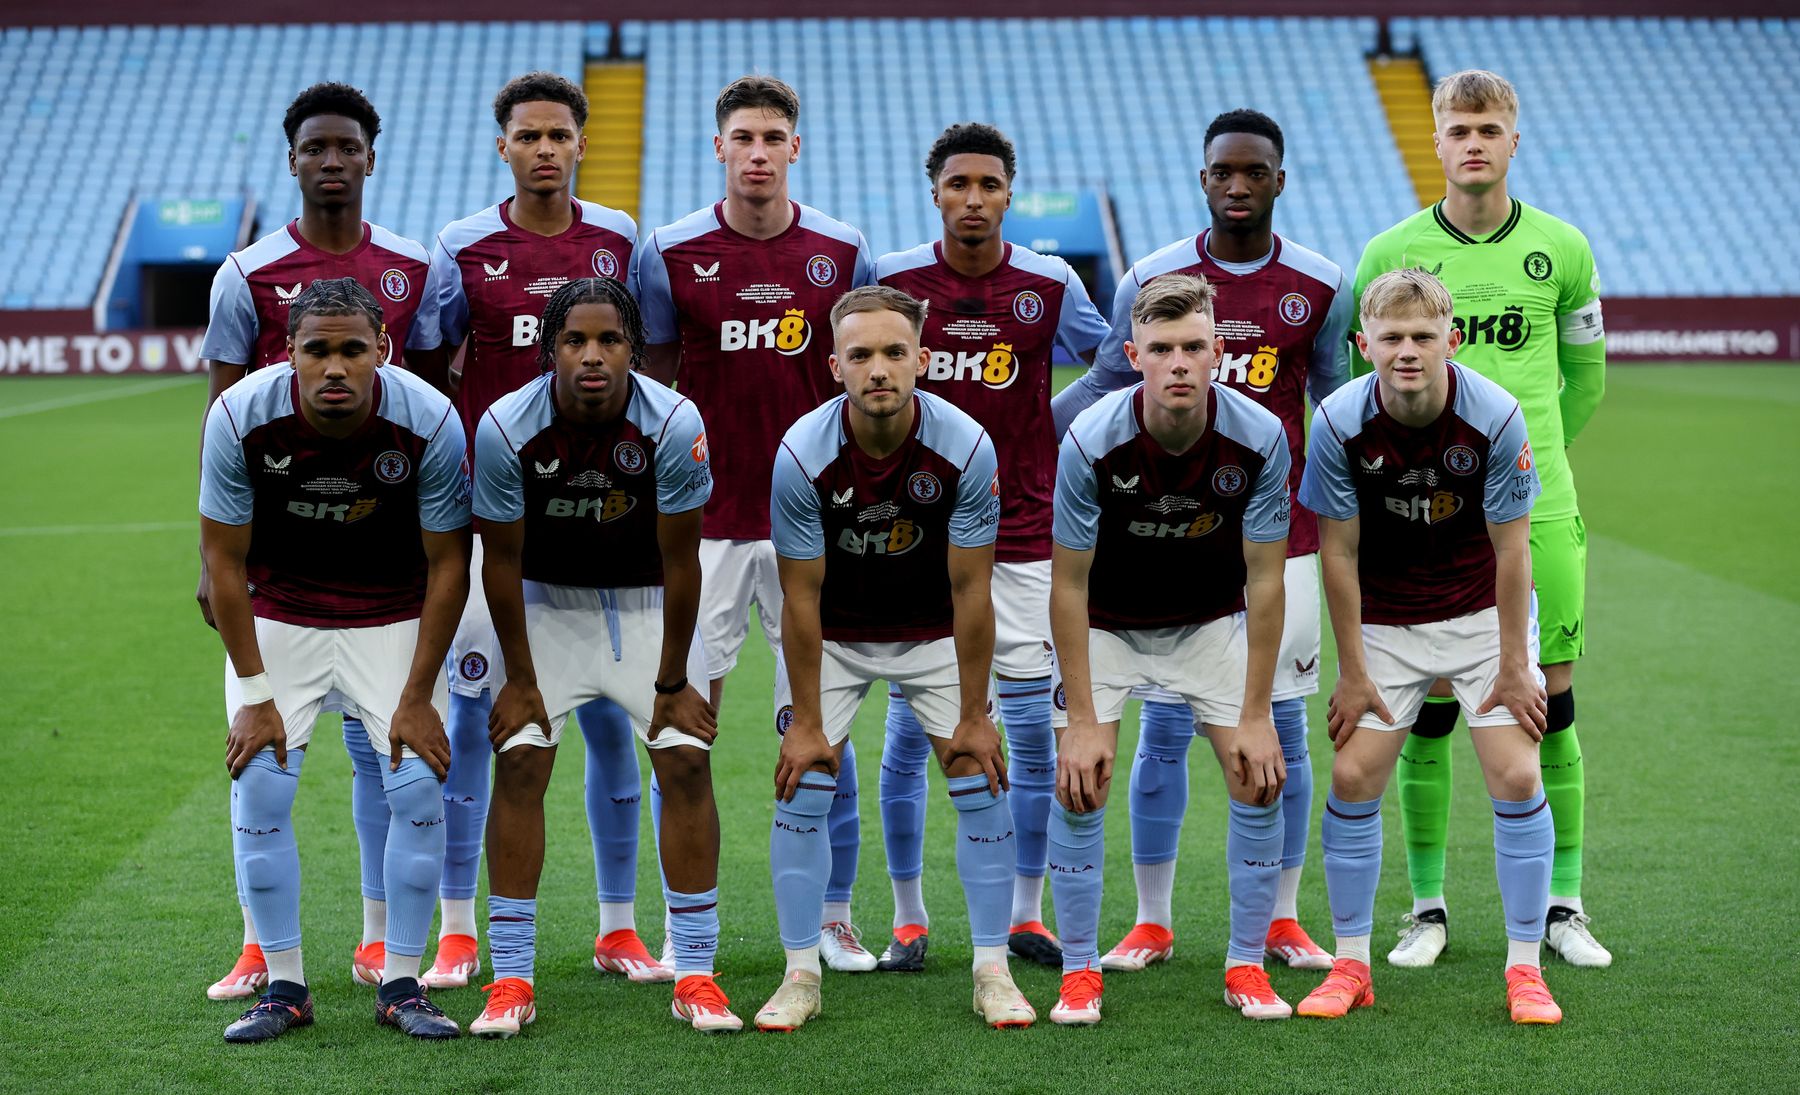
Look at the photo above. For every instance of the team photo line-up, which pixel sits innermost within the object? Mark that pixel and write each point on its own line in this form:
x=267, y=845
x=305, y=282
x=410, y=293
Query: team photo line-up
x=602, y=449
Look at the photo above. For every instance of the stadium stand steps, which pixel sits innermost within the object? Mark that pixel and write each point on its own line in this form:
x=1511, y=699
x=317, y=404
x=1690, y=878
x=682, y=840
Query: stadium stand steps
x=1405, y=93
x=615, y=134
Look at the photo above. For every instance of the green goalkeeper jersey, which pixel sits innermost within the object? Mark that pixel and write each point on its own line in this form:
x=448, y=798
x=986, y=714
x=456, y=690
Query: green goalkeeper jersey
x=1528, y=305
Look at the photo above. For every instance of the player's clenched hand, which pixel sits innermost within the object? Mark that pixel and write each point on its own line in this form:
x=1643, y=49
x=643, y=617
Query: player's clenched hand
x=418, y=725
x=1353, y=698
x=803, y=748
x=1084, y=766
x=977, y=739
x=254, y=728
x=518, y=705
x=1517, y=690
x=686, y=711
x=1254, y=753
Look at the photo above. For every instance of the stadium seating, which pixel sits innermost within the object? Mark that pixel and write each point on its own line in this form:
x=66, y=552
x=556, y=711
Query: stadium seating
x=1652, y=135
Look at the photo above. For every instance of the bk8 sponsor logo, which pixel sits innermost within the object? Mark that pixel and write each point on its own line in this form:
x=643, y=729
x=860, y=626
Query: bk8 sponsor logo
x=786, y=334
x=610, y=506
x=1440, y=506
x=996, y=367
x=896, y=539
x=1254, y=371
x=1178, y=530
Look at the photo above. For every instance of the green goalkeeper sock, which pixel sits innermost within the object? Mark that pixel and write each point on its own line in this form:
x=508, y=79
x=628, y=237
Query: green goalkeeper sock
x=1565, y=786
x=1423, y=777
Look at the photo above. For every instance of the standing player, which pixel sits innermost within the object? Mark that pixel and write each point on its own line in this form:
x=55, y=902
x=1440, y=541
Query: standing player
x=304, y=467
x=591, y=481
x=731, y=296
x=1423, y=481
x=997, y=311
x=1171, y=535
x=1528, y=307
x=490, y=275
x=884, y=503
x=1283, y=313
x=331, y=131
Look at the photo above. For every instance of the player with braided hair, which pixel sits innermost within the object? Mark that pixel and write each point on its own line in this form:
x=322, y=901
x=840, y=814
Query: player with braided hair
x=590, y=483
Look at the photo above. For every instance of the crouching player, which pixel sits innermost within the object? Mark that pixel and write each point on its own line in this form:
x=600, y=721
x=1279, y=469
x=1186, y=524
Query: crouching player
x=1423, y=481
x=1171, y=515
x=589, y=484
x=885, y=505
x=305, y=466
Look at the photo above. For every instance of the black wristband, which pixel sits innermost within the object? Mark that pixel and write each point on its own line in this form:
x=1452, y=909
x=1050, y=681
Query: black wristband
x=675, y=689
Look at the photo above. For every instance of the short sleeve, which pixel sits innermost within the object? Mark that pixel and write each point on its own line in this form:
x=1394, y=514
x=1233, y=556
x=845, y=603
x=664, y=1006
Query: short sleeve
x=794, y=510
x=1266, y=515
x=649, y=285
x=445, y=288
x=1076, y=522
x=1079, y=326
x=444, y=478
x=683, y=464
x=975, y=522
x=231, y=325
x=1512, y=479
x=225, y=492
x=499, y=481
x=1325, y=486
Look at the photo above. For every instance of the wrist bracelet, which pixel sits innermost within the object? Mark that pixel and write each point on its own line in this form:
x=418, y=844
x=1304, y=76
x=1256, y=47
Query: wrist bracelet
x=255, y=690
x=675, y=689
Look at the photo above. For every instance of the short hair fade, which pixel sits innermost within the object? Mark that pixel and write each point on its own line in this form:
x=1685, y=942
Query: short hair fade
x=1172, y=296
x=757, y=93
x=1409, y=292
x=332, y=98
x=879, y=298
x=1254, y=122
x=970, y=138
x=335, y=297
x=1473, y=91
x=540, y=87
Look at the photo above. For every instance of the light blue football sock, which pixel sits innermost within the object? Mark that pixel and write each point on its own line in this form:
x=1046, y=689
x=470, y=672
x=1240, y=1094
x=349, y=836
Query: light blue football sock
x=800, y=860
x=262, y=843
x=694, y=924
x=368, y=808
x=512, y=935
x=1077, y=872
x=1297, y=792
x=1252, y=869
x=1030, y=768
x=1351, y=837
x=905, y=753
x=1159, y=781
x=846, y=830
x=614, y=788
x=1524, y=846
x=466, y=794
x=415, y=854
x=985, y=857
x=237, y=868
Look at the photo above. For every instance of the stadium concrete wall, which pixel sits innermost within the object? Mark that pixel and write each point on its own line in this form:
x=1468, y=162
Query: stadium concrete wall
x=1637, y=329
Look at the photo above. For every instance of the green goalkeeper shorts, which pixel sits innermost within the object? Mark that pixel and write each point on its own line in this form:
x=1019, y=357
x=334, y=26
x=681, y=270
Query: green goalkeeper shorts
x=1559, y=571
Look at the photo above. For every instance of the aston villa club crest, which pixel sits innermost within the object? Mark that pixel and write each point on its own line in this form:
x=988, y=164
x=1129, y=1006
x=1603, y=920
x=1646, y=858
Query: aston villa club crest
x=395, y=285
x=629, y=456
x=1028, y=307
x=606, y=264
x=821, y=271
x=1295, y=309
x=392, y=466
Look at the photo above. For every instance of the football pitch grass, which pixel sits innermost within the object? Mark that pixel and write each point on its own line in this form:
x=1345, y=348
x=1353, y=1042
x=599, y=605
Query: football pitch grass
x=117, y=909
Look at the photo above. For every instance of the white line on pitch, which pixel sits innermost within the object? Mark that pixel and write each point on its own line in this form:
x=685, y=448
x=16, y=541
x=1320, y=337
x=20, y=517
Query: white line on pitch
x=88, y=397
x=98, y=530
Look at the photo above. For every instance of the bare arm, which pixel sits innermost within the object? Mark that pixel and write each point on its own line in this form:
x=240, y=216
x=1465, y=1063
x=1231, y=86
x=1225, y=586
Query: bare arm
x=662, y=362
x=1255, y=750
x=220, y=375
x=1355, y=694
x=971, y=580
x=257, y=726
x=518, y=704
x=678, y=537
x=1086, y=750
x=416, y=722
x=1516, y=689
x=804, y=747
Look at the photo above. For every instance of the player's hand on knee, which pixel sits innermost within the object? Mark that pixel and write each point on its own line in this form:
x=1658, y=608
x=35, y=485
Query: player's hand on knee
x=1084, y=764
x=1255, y=754
x=518, y=705
x=803, y=748
x=686, y=711
x=254, y=728
x=1350, y=701
x=1517, y=690
x=418, y=726
x=976, y=738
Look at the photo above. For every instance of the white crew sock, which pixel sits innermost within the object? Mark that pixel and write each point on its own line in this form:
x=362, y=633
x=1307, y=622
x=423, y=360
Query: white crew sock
x=836, y=912
x=458, y=917
x=285, y=965
x=1573, y=904
x=1155, y=890
x=1520, y=953
x=399, y=967
x=909, y=902
x=618, y=916
x=1426, y=904
x=1028, y=899
x=1234, y=963
x=806, y=958
x=249, y=927
x=1287, y=894
x=989, y=956
x=374, y=921
x=1353, y=946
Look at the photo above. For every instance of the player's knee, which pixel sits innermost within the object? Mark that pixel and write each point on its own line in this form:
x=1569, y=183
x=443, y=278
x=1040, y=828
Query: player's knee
x=523, y=772
x=1561, y=711
x=684, y=771
x=1559, y=677
x=1356, y=780
x=1436, y=720
x=1515, y=780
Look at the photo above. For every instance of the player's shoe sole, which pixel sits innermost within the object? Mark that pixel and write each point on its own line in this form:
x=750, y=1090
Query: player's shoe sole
x=1142, y=946
x=248, y=977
